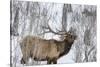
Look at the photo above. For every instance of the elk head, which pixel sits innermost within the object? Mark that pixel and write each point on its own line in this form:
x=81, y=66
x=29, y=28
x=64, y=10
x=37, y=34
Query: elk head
x=69, y=37
x=68, y=40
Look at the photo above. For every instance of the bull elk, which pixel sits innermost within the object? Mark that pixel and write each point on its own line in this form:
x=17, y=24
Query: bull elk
x=41, y=49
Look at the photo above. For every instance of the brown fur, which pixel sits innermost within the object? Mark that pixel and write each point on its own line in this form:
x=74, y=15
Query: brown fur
x=41, y=49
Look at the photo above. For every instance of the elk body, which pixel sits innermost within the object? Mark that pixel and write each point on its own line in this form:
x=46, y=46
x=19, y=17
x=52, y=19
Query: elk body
x=42, y=49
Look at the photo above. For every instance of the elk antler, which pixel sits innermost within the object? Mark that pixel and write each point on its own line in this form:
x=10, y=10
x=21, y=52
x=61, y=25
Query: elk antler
x=52, y=31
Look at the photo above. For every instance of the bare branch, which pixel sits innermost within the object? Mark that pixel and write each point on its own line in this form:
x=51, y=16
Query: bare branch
x=91, y=50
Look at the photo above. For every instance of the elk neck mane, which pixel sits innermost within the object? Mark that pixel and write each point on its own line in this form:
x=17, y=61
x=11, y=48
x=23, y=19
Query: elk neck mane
x=66, y=45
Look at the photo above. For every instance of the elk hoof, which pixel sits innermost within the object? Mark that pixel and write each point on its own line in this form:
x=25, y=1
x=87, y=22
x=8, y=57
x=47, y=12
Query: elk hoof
x=22, y=61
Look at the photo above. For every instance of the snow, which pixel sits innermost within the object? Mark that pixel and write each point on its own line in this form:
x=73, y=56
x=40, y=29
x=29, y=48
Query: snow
x=79, y=22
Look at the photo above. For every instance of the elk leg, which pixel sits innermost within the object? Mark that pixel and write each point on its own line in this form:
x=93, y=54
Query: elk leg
x=49, y=61
x=22, y=61
x=54, y=61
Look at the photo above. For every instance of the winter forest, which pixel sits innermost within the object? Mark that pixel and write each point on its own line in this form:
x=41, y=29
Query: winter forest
x=46, y=21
